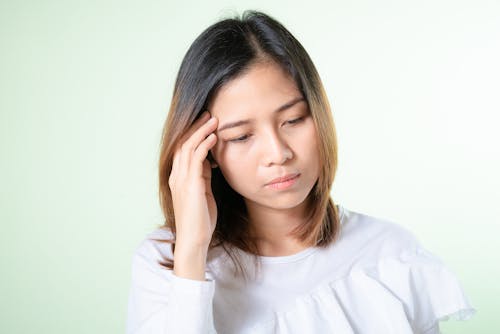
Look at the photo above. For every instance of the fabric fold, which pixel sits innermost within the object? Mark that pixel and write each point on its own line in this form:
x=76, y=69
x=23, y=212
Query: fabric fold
x=404, y=294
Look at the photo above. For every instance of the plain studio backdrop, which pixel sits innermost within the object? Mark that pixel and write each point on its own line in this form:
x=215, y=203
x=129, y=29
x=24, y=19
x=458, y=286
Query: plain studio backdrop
x=85, y=89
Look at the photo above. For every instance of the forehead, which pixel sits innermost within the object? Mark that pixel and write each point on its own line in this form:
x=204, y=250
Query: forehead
x=260, y=90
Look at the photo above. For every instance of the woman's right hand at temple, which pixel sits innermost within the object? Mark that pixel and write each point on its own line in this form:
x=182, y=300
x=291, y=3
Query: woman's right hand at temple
x=195, y=209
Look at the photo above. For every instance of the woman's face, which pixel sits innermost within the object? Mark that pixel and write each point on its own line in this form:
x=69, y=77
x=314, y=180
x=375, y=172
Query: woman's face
x=265, y=132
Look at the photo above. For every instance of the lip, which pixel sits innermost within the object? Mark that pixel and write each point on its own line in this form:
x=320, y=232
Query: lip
x=283, y=179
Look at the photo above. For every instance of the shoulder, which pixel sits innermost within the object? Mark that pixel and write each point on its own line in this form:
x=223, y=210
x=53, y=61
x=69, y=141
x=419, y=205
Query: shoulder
x=375, y=236
x=390, y=257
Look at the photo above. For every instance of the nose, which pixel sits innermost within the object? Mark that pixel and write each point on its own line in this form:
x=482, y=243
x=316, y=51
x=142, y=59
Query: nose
x=276, y=150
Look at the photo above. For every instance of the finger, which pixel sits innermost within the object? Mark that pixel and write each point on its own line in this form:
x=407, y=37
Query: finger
x=201, y=152
x=205, y=116
x=206, y=172
x=200, y=135
x=182, y=152
x=207, y=176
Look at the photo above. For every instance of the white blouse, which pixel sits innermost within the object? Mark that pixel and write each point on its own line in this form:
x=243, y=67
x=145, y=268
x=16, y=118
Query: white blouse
x=376, y=278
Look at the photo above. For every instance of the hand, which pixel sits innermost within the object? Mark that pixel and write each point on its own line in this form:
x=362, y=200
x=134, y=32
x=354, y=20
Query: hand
x=194, y=205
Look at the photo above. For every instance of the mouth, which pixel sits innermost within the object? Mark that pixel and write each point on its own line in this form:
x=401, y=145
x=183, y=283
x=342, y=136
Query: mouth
x=284, y=181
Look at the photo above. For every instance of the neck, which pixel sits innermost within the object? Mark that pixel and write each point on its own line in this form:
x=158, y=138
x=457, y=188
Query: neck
x=271, y=228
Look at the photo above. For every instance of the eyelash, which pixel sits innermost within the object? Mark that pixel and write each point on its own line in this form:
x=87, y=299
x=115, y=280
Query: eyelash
x=244, y=138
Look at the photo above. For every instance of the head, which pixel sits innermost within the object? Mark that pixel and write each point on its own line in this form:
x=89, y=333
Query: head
x=252, y=69
x=266, y=131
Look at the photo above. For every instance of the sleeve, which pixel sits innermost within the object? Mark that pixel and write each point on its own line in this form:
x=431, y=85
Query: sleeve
x=161, y=302
x=429, y=291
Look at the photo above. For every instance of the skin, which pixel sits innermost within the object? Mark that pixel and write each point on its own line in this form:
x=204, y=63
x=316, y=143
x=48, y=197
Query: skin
x=270, y=145
x=194, y=205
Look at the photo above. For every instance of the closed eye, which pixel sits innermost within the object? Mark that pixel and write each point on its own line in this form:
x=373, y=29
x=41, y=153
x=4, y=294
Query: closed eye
x=295, y=121
x=240, y=139
x=245, y=137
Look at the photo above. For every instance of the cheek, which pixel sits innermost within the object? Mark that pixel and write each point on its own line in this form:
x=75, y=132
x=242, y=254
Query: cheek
x=306, y=142
x=235, y=166
x=308, y=152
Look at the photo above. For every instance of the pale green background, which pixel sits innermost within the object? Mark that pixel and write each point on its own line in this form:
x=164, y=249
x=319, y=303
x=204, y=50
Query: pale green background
x=85, y=88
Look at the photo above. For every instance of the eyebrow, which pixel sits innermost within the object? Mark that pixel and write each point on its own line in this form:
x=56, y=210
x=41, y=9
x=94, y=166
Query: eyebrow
x=246, y=121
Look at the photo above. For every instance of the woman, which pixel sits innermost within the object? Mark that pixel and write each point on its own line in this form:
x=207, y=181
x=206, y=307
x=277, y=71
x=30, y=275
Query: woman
x=252, y=241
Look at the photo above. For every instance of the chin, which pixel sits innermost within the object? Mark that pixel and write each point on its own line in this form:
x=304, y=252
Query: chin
x=279, y=202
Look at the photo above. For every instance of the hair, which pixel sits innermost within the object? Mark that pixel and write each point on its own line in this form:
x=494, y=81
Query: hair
x=222, y=52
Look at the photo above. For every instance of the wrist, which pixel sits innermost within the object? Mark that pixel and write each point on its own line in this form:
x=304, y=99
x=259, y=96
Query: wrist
x=190, y=261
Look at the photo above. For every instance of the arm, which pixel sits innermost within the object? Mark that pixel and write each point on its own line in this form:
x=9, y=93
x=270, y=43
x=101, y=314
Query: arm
x=161, y=302
x=180, y=300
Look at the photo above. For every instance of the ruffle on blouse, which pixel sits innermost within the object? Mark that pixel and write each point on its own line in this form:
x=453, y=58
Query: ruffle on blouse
x=404, y=295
